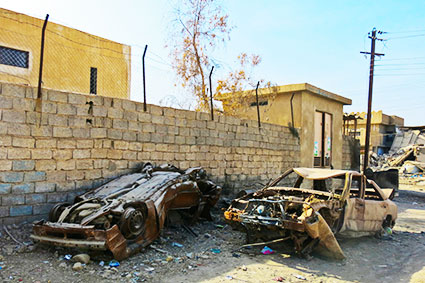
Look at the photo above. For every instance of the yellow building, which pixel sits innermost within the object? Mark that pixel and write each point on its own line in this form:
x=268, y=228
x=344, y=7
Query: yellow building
x=316, y=112
x=382, y=130
x=73, y=60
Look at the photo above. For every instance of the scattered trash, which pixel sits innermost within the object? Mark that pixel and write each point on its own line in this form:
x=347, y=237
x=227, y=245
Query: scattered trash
x=83, y=258
x=169, y=258
x=158, y=249
x=189, y=255
x=216, y=251
x=279, y=279
x=206, y=235
x=175, y=244
x=300, y=277
x=236, y=255
x=1, y=267
x=149, y=269
x=77, y=266
x=67, y=257
x=45, y=261
x=267, y=251
x=244, y=268
x=114, y=263
x=383, y=266
x=102, y=263
x=219, y=226
x=228, y=277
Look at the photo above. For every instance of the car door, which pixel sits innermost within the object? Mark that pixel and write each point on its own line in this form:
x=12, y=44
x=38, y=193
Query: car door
x=376, y=208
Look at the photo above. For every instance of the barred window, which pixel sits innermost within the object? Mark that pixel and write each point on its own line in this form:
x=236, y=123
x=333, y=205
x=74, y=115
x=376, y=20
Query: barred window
x=93, y=80
x=14, y=57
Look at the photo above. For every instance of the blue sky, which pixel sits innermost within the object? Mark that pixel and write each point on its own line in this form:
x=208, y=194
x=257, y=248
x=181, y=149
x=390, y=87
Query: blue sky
x=318, y=42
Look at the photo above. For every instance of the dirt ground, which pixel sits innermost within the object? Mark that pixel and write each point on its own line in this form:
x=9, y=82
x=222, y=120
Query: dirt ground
x=397, y=258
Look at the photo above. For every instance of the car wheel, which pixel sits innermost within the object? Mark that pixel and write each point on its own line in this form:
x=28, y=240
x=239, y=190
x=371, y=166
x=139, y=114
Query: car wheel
x=132, y=222
x=56, y=211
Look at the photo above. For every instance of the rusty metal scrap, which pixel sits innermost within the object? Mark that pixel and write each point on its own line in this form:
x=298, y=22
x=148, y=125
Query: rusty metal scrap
x=311, y=217
x=128, y=213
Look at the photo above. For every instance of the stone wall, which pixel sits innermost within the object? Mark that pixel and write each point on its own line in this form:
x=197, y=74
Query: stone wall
x=77, y=142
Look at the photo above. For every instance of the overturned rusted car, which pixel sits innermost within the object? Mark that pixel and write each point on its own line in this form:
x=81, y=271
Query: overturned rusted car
x=309, y=206
x=128, y=213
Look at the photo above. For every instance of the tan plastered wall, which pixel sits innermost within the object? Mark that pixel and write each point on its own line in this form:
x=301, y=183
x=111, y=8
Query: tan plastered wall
x=311, y=103
x=277, y=111
x=68, y=56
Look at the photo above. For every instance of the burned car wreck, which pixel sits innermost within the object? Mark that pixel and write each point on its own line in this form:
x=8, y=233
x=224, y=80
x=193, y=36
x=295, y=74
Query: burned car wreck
x=128, y=213
x=317, y=205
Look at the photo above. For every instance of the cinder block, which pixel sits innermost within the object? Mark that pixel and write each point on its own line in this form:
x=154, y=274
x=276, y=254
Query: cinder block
x=6, y=102
x=14, y=128
x=41, y=154
x=81, y=153
x=35, y=176
x=93, y=174
x=84, y=164
x=119, y=124
x=129, y=136
x=5, y=189
x=62, y=132
x=114, y=134
x=75, y=175
x=23, y=142
x=65, y=165
x=58, y=120
x=65, y=187
x=12, y=199
x=115, y=113
x=23, y=165
x=13, y=116
x=57, y=96
x=42, y=209
x=145, y=117
x=56, y=176
x=97, y=133
x=66, y=143
x=128, y=105
x=67, y=109
x=20, y=210
x=84, y=143
x=41, y=131
x=120, y=144
x=130, y=116
x=45, y=165
x=4, y=212
x=12, y=177
x=5, y=165
x=56, y=197
x=45, y=187
x=48, y=107
x=76, y=98
x=35, y=198
x=45, y=143
x=100, y=111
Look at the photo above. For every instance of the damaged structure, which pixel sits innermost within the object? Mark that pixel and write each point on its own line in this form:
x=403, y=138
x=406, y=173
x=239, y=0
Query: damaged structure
x=128, y=213
x=317, y=205
x=406, y=157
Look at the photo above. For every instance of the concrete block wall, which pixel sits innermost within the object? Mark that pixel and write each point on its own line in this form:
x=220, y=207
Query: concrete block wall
x=78, y=142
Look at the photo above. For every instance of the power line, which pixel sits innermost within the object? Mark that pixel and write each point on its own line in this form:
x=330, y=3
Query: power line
x=407, y=36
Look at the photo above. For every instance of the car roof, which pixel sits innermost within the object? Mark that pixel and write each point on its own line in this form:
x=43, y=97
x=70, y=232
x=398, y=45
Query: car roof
x=322, y=173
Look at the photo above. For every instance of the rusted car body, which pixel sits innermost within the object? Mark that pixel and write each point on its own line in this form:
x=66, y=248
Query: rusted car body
x=128, y=213
x=313, y=209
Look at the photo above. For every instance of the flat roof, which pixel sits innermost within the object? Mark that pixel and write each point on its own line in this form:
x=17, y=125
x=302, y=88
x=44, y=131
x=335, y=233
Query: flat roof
x=292, y=88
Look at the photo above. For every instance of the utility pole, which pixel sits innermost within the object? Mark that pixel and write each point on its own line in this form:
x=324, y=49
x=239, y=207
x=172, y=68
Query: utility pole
x=369, y=102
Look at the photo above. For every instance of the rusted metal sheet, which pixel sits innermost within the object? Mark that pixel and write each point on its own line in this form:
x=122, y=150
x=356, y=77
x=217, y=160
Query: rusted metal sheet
x=128, y=213
x=311, y=216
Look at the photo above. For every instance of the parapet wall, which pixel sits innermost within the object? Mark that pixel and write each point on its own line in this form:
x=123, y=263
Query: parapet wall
x=77, y=142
